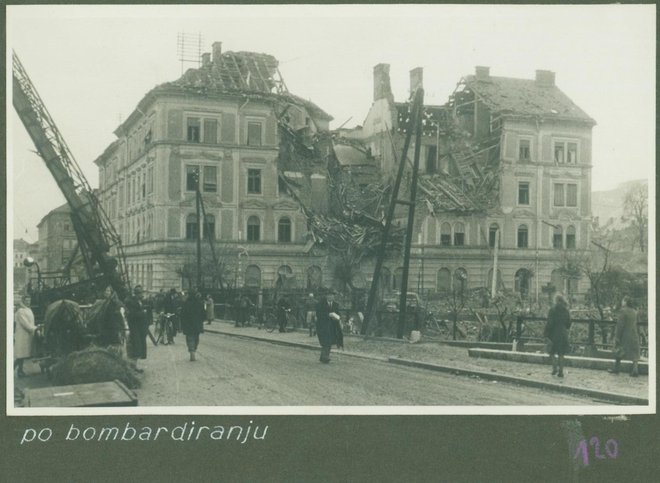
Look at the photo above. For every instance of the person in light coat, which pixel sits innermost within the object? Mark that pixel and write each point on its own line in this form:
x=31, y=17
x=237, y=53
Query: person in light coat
x=24, y=331
x=626, y=338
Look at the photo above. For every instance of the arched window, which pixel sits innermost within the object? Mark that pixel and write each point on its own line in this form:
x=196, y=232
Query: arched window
x=209, y=227
x=570, y=237
x=284, y=230
x=285, y=277
x=314, y=277
x=492, y=234
x=557, y=237
x=191, y=227
x=459, y=234
x=444, y=280
x=252, y=276
x=445, y=234
x=523, y=282
x=523, y=236
x=460, y=281
x=253, y=229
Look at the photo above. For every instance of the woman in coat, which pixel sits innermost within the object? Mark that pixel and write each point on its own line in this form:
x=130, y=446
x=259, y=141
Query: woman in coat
x=626, y=338
x=327, y=323
x=556, y=330
x=210, y=309
x=24, y=334
x=192, y=321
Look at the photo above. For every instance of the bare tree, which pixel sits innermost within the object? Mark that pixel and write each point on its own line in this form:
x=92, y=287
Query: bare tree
x=635, y=213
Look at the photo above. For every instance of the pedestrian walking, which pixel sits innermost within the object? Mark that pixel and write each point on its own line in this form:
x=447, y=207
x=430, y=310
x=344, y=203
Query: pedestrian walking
x=626, y=337
x=209, y=307
x=310, y=314
x=136, y=318
x=24, y=333
x=192, y=321
x=327, y=325
x=556, y=333
x=283, y=307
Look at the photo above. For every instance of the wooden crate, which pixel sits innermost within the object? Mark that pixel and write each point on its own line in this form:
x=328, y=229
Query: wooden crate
x=98, y=394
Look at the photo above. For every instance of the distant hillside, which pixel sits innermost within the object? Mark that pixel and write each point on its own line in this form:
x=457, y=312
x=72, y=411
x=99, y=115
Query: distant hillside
x=608, y=205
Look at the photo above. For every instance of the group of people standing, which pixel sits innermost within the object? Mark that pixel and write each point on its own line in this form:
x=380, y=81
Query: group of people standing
x=626, y=336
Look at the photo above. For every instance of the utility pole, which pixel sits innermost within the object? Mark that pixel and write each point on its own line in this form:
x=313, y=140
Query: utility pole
x=493, y=286
x=198, y=210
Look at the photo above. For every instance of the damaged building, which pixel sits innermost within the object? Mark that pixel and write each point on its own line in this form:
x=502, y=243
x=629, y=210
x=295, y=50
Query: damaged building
x=233, y=124
x=504, y=159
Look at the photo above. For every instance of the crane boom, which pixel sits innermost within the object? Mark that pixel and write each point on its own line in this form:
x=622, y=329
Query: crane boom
x=96, y=234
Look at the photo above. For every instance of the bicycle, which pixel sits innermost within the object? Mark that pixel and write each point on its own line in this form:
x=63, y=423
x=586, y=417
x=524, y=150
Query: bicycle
x=165, y=329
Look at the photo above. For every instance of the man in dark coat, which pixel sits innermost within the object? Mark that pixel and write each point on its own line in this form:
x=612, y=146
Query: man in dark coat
x=328, y=329
x=556, y=330
x=626, y=337
x=283, y=307
x=136, y=317
x=192, y=321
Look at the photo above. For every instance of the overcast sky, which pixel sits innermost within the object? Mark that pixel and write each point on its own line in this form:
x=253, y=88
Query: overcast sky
x=92, y=65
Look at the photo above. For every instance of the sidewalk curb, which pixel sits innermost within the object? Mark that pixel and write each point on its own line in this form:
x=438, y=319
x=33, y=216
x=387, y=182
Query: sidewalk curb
x=610, y=396
x=615, y=397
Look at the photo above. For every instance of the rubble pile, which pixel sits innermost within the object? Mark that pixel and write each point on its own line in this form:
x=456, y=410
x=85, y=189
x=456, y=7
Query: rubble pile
x=93, y=365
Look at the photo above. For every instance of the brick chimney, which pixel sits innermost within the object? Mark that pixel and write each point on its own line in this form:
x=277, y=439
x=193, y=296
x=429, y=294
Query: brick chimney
x=382, y=89
x=206, y=58
x=545, y=78
x=416, y=78
x=217, y=51
x=481, y=72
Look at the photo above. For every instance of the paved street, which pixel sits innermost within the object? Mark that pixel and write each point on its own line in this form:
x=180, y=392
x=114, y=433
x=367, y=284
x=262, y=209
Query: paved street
x=232, y=371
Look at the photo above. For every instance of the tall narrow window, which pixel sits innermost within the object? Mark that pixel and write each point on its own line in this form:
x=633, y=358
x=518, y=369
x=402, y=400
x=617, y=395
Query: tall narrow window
x=431, y=155
x=193, y=130
x=209, y=227
x=210, y=182
x=571, y=195
x=445, y=234
x=284, y=230
x=210, y=131
x=253, y=229
x=557, y=237
x=524, y=150
x=254, y=181
x=522, y=236
x=192, y=229
x=523, y=193
x=570, y=237
x=254, y=134
x=492, y=235
x=559, y=194
x=459, y=234
x=559, y=153
x=443, y=283
x=571, y=149
x=192, y=178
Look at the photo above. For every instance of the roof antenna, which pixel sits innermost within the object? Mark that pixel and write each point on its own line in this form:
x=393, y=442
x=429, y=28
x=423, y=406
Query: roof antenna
x=189, y=48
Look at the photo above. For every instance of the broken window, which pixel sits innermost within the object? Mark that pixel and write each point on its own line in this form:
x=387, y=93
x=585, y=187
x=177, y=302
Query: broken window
x=522, y=236
x=492, y=235
x=192, y=230
x=192, y=178
x=254, y=181
x=570, y=237
x=210, y=181
x=559, y=194
x=210, y=131
x=431, y=159
x=523, y=193
x=254, y=134
x=445, y=234
x=571, y=195
x=524, y=150
x=253, y=229
x=571, y=149
x=193, y=130
x=284, y=230
x=557, y=238
x=459, y=234
x=559, y=153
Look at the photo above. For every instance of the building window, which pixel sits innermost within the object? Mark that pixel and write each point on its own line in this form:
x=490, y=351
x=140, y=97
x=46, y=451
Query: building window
x=444, y=280
x=192, y=229
x=559, y=153
x=210, y=131
x=209, y=227
x=192, y=177
x=254, y=134
x=565, y=195
x=254, y=181
x=523, y=193
x=523, y=282
x=284, y=230
x=524, y=150
x=193, y=131
x=570, y=237
x=566, y=152
x=557, y=238
x=431, y=159
x=210, y=180
x=459, y=234
x=253, y=229
x=445, y=234
x=523, y=236
x=571, y=150
x=252, y=276
x=314, y=277
x=492, y=235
